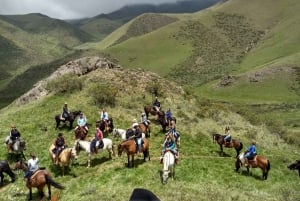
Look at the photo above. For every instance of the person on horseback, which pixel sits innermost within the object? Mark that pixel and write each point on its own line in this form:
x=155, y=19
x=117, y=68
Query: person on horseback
x=227, y=137
x=60, y=144
x=250, y=153
x=82, y=122
x=65, y=113
x=104, y=117
x=156, y=104
x=33, y=165
x=137, y=137
x=14, y=135
x=96, y=141
x=174, y=132
x=169, y=116
x=169, y=145
x=144, y=120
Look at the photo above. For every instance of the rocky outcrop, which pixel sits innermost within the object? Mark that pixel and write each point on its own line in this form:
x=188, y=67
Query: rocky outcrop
x=78, y=67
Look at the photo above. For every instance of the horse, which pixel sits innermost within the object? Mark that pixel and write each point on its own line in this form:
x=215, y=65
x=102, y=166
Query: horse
x=104, y=126
x=149, y=109
x=64, y=157
x=17, y=149
x=259, y=161
x=130, y=147
x=86, y=145
x=118, y=132
x=145, y=129
x=237, y=145
x=39, y=179
x=295, y=166
x=169, y=166
x=4, y=167
x=80, y=133
x=69, y=119
x=163, y=121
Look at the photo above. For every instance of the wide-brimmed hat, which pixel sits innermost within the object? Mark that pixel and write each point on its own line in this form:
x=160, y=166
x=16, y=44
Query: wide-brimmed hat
x=135, y=125
x=66, y=103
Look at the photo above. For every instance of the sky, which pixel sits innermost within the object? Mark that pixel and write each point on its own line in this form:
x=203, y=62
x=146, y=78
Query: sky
x=67, y=9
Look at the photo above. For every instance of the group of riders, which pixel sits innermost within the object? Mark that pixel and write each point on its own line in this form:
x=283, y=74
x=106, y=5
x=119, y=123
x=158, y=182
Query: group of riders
x=134, y=133
x=250, y=153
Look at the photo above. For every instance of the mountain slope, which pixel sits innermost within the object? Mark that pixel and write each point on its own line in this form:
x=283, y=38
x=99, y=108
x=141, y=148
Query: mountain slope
x=201, y=172
x=103, y=24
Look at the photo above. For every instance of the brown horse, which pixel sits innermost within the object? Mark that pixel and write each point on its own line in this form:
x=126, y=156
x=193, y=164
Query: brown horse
x=39, y=179
x=105, y=126
x=237, y=145
x=258, y=161
x=145, y=129
x=64, y=157
x=149, y=109
x=80, y=133
x=130, y=147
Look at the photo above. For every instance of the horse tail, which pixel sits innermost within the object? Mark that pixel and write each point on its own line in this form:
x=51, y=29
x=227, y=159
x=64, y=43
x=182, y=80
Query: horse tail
x=50, y=181
x=268, y=166
x=214, y=138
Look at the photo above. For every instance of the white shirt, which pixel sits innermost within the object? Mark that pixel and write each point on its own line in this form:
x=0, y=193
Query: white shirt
x=33, y=164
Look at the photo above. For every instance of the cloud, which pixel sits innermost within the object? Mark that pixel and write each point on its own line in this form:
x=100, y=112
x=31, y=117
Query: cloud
x=68, y=9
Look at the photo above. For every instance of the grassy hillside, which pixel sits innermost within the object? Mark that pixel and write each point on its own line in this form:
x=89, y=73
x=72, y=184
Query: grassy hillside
x=201, y=171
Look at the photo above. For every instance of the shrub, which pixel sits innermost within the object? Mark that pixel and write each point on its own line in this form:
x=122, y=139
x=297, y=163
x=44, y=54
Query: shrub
x=103, y=94
x=65, y=84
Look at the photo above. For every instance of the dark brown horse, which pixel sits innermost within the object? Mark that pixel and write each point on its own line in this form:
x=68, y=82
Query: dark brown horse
x=105, y=126
x=295, y=166
x=39, y=179
x=258, y=161
x=80, y=133
x=70, y=119
x=4, y=167
x=237, y=145
x=130, y=147
x=149, y=109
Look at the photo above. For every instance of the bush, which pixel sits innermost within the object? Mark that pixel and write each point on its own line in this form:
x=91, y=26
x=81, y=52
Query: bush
x=103, y=94
x=65, y=84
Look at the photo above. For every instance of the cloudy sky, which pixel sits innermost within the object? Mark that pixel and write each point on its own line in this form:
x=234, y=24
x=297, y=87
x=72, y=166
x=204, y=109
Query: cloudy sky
x=67, y=9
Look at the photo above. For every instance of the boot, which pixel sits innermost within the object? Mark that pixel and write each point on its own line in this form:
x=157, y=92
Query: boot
x=161, y=160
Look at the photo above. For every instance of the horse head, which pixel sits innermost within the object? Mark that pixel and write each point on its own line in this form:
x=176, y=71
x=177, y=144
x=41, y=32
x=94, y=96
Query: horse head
x=20, y=165
x=295, y=165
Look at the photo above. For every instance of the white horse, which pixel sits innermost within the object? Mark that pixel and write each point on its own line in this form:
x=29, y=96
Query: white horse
x=17, y=147
x=85, y=145
x=169, y=166
x=118, y=132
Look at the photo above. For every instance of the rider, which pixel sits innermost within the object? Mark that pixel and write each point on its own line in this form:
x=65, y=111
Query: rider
x=250, y=153
x=82, y=122
x=104, y=116
x=169, y=145
x=96, y=141
x=59, y=144
x=14, y=134
x=137, y=136
x=227, y=138
x=65, y=113
x=173, y=131
x=169, y=116
x=156, y=104
x=33, y=165
x=144, y=120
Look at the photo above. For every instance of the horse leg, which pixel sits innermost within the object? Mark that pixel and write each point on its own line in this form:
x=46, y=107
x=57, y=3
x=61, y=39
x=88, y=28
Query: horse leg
x=30, y=193
x=49, y=190
x=128, y=160
x=221, y=150
x=2, y=177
